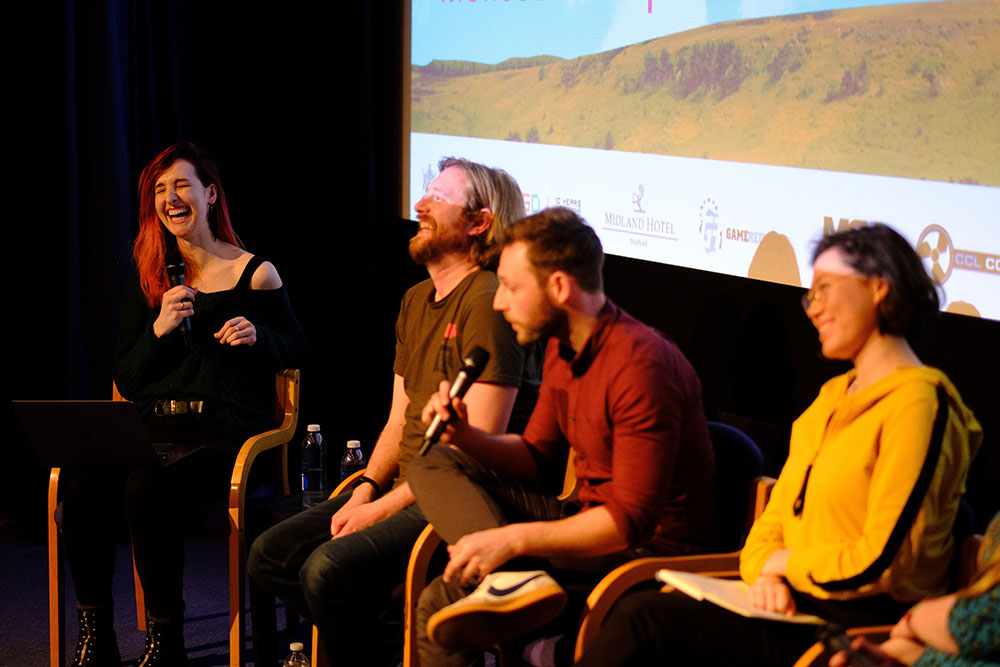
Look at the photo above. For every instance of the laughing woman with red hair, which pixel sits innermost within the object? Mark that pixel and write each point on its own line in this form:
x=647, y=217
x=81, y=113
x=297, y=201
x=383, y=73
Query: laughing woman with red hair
x=198, y=360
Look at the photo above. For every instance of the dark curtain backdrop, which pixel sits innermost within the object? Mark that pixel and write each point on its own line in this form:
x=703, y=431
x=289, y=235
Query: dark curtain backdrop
x=300, y=104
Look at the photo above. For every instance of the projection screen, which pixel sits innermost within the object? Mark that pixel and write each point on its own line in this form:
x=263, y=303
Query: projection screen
x=728, y=135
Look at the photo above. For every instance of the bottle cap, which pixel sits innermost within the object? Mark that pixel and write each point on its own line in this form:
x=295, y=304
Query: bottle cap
x=295, y=646
x=354, y=444
x=313, y=428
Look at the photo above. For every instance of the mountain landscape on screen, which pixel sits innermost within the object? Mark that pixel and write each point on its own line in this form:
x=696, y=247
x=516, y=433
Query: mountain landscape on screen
x=889, y=90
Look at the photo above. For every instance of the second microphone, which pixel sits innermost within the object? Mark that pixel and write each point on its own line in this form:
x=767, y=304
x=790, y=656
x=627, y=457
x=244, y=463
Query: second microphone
x=473, y=364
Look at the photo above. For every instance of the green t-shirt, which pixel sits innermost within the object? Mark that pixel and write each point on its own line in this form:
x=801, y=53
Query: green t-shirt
x=433, y=336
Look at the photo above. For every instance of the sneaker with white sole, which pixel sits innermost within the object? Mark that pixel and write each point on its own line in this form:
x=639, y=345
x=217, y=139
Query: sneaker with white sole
x=506, y=605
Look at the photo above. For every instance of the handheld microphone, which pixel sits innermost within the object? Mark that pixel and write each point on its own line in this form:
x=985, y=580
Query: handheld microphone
x=474, y=362
x=175, y=272
x=835, y=640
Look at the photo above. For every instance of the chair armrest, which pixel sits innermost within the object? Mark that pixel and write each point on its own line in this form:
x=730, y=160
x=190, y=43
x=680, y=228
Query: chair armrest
x=287, y=394
x=416, y=580
x=251, y=449
x=761, y=490
x=347, y=483
x=817, y=655
x=617, y=582
x=969, y=553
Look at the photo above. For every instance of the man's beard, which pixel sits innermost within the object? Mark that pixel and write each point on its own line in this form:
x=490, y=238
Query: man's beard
x=441, y=242
x=552, y=321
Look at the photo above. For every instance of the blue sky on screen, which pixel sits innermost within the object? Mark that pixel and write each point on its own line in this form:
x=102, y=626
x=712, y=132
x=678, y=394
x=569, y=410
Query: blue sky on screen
x=490, y=31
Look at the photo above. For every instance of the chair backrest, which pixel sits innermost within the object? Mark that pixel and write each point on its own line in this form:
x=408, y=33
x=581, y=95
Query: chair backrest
x=965, y=558
x=570, y=485
x=738, y=463
x=286, y=416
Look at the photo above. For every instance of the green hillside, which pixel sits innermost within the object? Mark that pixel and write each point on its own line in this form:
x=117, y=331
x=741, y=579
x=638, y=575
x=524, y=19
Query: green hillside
x=902, y=90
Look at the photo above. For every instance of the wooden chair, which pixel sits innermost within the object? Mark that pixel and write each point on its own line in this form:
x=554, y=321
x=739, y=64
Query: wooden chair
x=643, y=570
x=286, y=416
x=742, y=493
x=968, y=558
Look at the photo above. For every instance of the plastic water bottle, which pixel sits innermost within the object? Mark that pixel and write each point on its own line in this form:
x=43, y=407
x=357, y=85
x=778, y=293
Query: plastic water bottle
x=313, y=467
x=296, y=658
x=353, y=460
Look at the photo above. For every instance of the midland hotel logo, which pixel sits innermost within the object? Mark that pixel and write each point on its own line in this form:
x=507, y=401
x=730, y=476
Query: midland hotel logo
x=638, y=223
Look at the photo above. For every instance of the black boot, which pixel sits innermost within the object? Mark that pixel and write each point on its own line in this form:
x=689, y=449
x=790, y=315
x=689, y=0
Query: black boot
x=97, y=645
x=164, y=644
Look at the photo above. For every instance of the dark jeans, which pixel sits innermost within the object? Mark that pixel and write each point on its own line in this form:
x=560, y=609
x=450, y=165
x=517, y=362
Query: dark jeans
x=344, y=585
x=654, y=628
x=158, y=503
x=460, y=496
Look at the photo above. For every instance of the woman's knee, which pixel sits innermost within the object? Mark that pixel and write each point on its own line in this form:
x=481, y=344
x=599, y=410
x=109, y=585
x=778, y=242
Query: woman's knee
x=145, y=495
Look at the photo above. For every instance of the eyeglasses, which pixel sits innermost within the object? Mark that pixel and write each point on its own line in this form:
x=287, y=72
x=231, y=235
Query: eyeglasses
x=818, y=292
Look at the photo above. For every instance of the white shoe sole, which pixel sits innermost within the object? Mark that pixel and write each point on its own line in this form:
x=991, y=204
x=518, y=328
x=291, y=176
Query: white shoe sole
x=478, y=625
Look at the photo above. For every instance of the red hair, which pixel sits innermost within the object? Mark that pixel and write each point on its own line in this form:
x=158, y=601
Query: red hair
x=150, y=245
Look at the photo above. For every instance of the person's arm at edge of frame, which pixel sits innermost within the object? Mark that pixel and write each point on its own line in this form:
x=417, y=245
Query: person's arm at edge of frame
x=924, y=625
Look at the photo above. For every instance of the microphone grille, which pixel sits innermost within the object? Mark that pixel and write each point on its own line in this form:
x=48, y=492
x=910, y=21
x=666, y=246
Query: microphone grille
x=476, y=359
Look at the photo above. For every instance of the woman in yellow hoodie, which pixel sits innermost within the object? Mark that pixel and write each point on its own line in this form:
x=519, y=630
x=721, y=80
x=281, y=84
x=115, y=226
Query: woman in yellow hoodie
x=858, y=526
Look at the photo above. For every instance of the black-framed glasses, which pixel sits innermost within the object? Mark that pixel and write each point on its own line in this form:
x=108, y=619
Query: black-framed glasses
x=817, y=293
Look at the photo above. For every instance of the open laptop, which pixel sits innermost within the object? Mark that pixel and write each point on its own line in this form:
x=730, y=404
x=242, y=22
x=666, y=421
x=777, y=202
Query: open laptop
x=72, y=434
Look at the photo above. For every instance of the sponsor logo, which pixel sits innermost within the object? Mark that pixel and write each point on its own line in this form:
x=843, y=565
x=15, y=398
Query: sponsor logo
x=743, y=235
x=713, y=231
x=637, y=199
x=708, y=225
x=569, y=202
x=639, y=224
x=940, y=256
x=534, y=202
x=428, y=175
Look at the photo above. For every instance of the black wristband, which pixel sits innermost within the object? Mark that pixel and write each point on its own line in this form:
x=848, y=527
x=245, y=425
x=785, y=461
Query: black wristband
x=368, y=480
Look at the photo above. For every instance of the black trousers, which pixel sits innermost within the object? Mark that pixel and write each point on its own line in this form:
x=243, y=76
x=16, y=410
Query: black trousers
x=654, y=628
x=158, y=503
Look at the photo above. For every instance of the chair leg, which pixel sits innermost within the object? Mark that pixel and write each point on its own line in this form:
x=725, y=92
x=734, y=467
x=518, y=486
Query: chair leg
x=318, y=654
x=416, y=580
x=140, y=599
x=57, y=591
x=237, y=598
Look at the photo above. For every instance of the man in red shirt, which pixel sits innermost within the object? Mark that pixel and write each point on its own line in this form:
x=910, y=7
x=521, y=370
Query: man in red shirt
x=615, y=391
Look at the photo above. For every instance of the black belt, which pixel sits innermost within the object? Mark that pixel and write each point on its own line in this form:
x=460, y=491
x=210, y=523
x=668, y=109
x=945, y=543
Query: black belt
x=165, y=407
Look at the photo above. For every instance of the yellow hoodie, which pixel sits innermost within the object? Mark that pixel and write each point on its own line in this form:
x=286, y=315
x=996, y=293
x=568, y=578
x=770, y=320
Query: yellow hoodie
x=882, y=471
